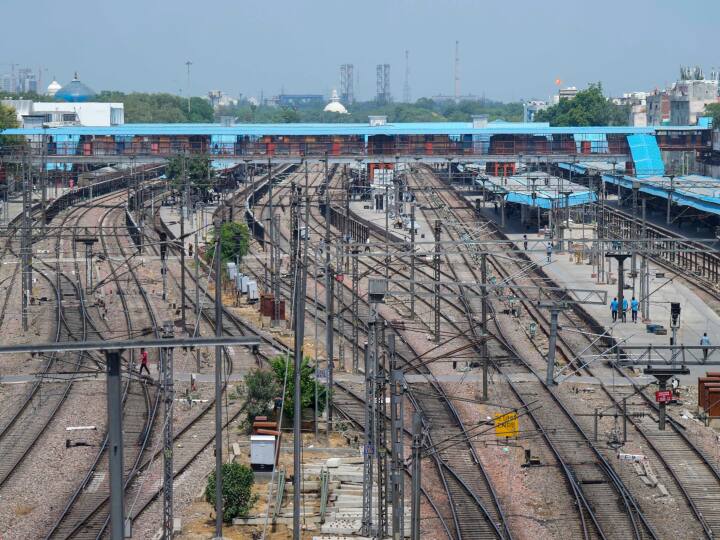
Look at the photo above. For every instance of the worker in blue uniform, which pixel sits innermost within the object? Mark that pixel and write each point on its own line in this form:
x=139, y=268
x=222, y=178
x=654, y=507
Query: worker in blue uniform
x=614, y=309
x=634, y=305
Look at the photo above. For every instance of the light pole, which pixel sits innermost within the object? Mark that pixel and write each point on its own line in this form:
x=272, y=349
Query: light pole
x=218, y=380
x=188, y=64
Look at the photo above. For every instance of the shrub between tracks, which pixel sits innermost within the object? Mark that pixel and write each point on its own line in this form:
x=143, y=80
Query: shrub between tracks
x=237, y=483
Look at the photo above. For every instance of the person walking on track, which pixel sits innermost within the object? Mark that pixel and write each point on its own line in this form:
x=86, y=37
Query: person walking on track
x=144, y=362
x=634, y=305
x=614, y=309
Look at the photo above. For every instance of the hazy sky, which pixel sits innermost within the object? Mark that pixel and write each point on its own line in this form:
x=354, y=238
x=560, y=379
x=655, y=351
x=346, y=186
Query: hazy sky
x=508, y=50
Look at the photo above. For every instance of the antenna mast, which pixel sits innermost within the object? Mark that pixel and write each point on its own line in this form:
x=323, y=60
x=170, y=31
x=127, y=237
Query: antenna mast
x=457, y=71
x=406, y=88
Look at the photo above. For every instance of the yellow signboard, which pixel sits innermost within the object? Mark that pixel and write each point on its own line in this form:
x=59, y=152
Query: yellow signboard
x=507, y=425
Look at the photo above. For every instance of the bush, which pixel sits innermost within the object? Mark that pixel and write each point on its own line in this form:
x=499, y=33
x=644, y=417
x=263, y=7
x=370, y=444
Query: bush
x=237, y=494
x=260, y=388
x=307, y=383
x=235, y=242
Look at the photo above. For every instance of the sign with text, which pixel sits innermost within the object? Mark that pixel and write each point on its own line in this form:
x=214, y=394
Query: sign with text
x=507, y=425
x=663, y=396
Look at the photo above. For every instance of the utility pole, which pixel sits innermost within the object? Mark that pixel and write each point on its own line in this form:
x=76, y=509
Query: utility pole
x=416, y=476
x=397, y=457
x=645, y=270
x=218, y=382
x=183, y=212
x=166, y=357
x=329, y=337
x=484, y=319
x=196, y=255
x=26, y=245
x=276, y=246
x=370, y=451
x=115, y=440
x=550, y=373
x=412, y=260
x=188, y=64
x=380, y=444
x=436, y=268
x=299, y=325
x=271, y=229
x=669, y=200
x=355, y=314
x=163, y=262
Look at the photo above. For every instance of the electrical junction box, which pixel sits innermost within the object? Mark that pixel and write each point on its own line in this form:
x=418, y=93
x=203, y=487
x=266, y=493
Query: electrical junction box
x=262, y=452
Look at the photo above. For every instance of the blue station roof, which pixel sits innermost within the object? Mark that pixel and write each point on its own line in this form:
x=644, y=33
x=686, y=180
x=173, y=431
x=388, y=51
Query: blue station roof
x=550, y=191
x=409, y=128
x=695, y=191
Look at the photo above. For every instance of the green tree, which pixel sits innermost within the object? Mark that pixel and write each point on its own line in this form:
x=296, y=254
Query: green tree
x=197, y=169
x=282, y=363
x=237, y=484
x=260, y=389
x=8, y=117
x=235, y=242
x=588, y=108
x=165, y=108
x=713, y=109
x=8, y=120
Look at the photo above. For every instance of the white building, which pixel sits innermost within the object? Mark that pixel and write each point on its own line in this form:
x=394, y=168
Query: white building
x=335, y=106
x=53, y=114
x=637, y=102
x=53, y=88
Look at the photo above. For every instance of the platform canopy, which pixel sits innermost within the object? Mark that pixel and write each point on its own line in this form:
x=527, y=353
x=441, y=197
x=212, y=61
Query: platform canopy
x=540, y=189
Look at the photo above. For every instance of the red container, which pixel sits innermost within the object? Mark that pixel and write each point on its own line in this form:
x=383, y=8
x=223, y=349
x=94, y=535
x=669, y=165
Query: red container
x=714, y=403
x=702, y=383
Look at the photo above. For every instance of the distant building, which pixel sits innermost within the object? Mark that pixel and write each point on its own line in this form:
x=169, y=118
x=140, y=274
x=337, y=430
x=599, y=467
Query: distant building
x=567, y=93
x=688, y=100
x=637, y=104
x=53, y=88
x=295, y=100
x=6, y=84
x=75, y=92
x=531, y=108
x=658, y=108
x=55, y=114
x=21, y=81
x=218, y=99
x=335, y=106
x=684, y=102
x=71, y=108
x=442, y=98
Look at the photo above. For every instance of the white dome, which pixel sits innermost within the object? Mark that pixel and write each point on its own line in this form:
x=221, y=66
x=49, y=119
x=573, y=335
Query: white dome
x=335, y=106
x=53, y=87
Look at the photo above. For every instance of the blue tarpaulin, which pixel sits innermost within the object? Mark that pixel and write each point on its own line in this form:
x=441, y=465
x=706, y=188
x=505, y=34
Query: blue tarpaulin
x=646, y=156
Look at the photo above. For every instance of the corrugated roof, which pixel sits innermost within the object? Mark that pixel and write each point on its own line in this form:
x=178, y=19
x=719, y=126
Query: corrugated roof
x=695, y=191
x=410, y=128
x=519, y=189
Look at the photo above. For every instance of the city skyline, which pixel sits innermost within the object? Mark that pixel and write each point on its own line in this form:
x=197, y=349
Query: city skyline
x=299, y=48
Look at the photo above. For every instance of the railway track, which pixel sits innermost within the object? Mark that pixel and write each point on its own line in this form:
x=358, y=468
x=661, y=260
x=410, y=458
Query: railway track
x=605, y=506
x=87, y=512
x=466, y=483
x=695, y=478
x=45, y=397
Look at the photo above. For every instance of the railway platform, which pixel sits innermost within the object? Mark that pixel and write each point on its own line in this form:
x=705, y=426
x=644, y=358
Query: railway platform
x=697, y=317
x=423, y=233
x=13, y=208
